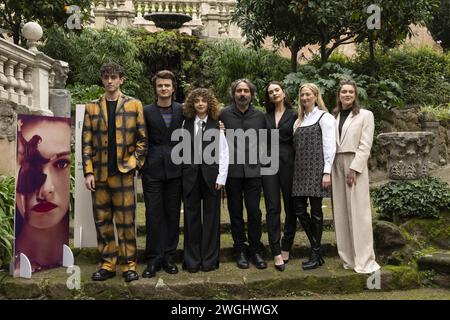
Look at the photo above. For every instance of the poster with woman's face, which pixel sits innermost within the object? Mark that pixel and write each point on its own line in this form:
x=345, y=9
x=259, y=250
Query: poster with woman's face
x=42, y=190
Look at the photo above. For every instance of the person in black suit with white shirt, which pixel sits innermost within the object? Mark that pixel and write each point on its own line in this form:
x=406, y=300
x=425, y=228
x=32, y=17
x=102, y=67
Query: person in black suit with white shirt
x=204, y=175
x=161, y=178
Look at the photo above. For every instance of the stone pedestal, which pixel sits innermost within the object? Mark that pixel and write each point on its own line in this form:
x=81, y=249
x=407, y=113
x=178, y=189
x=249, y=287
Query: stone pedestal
x=59, y=102
x=408, y=153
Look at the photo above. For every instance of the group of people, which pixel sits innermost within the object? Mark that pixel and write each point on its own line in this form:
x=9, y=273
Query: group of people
x=319, y=155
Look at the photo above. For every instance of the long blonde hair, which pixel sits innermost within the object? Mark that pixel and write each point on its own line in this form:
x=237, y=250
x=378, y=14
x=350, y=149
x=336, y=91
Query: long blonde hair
x=316, y=91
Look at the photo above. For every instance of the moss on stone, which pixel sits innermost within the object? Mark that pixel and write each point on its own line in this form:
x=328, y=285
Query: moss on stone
x=403, y=277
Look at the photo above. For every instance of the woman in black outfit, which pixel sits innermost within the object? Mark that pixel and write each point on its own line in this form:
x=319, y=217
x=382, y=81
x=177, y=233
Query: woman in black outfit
x=280, y=116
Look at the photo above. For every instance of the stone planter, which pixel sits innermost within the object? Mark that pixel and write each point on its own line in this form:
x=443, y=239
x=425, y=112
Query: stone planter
x=408, y=153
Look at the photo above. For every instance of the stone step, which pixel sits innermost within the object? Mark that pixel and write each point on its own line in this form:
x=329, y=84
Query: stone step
x=228, y=282
x=438, y=261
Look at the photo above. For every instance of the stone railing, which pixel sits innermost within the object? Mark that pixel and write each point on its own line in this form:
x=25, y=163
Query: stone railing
x=210, y=19
x=26, y=76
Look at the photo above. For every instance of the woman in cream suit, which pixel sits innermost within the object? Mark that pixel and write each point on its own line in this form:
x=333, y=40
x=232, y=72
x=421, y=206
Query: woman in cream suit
x=350, y=178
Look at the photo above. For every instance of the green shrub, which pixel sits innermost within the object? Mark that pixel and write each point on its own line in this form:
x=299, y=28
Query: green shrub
x=416, y=198
x=173, y=51
x=374, y=95
x=423, y=73
x=83, y=93
x=6, y=218
x=88, y=50
x=229, y=60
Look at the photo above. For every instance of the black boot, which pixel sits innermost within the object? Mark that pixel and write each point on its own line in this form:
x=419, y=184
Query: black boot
x=305, y=221
x=316, y=259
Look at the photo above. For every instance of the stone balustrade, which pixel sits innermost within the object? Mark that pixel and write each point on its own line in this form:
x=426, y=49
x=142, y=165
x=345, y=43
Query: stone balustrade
x=26, y=76
x=210, y=19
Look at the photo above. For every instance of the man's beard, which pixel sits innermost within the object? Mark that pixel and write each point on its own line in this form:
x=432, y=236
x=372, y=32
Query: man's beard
x=242, y=101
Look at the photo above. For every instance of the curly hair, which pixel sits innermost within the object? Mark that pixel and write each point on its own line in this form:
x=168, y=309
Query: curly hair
x=111, y=68
x=213, y=105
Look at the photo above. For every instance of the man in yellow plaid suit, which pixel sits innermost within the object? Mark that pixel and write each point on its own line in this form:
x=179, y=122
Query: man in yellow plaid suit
x=113, y=147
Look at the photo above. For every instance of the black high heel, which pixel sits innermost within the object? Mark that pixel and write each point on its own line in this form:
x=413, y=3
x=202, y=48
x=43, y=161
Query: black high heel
x=280, y=267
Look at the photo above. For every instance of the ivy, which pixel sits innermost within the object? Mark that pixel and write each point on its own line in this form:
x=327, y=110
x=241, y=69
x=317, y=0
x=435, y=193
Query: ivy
x=422, y=198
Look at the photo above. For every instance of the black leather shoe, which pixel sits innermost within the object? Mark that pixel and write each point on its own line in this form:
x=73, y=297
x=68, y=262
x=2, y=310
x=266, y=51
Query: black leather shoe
x=208, y=269
x=130, y=275
x=102, y=275
x=170, y=267
x=241, y=261
x=150, y=271
x=258, y=261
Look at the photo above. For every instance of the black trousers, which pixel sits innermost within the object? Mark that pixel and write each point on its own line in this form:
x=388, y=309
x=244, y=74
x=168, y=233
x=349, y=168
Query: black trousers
x=272, y=185
x=201, y=239
x=248, y=190
x=162, y=218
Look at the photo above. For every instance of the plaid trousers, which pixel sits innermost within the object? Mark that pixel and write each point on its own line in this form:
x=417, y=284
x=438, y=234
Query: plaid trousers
x=114, y=199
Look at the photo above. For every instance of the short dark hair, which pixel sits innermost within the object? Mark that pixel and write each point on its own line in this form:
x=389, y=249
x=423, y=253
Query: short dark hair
x=112, y=68
x=164, y=74
x=237, y=82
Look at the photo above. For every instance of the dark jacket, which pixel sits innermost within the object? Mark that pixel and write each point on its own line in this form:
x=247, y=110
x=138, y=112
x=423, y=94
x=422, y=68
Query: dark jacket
x=235, y=119
x=158, y=164
x=190, y=170
x=285, y=132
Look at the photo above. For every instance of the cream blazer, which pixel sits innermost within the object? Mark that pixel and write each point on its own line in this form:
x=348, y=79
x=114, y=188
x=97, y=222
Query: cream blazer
x=357, y=137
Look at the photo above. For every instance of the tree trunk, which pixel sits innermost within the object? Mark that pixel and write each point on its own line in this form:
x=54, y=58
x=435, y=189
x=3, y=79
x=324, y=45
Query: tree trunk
x=372, y=55
x=323, y=53
x=294, y=48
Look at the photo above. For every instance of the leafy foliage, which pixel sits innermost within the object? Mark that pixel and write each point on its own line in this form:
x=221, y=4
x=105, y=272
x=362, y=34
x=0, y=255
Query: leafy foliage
x=173, y=51
x=424, y=74
x=436, y=113
x=229, y=60
x=88, y=50
x=385, y=94
x=6, y=217
x=83, y=93
x=416, y=198
x=48, y=13
x=329, y=24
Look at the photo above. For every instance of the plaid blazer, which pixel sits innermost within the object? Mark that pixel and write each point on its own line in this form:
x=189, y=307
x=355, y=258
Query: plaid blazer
x=130, y=137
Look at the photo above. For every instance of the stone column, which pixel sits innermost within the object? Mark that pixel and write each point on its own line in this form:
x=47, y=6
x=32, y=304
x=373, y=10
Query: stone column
x=211, y=29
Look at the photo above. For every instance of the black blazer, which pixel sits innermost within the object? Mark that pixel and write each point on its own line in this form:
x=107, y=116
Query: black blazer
x=158, y=164
x=285, y=132
x=190, y=170
x=232, y=118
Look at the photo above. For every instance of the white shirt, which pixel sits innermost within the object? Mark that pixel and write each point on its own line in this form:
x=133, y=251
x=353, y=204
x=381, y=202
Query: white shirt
x=328, y=126
x=223, y=152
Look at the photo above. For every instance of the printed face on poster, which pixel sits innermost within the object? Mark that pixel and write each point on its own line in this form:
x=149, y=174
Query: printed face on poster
x=42, y=190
